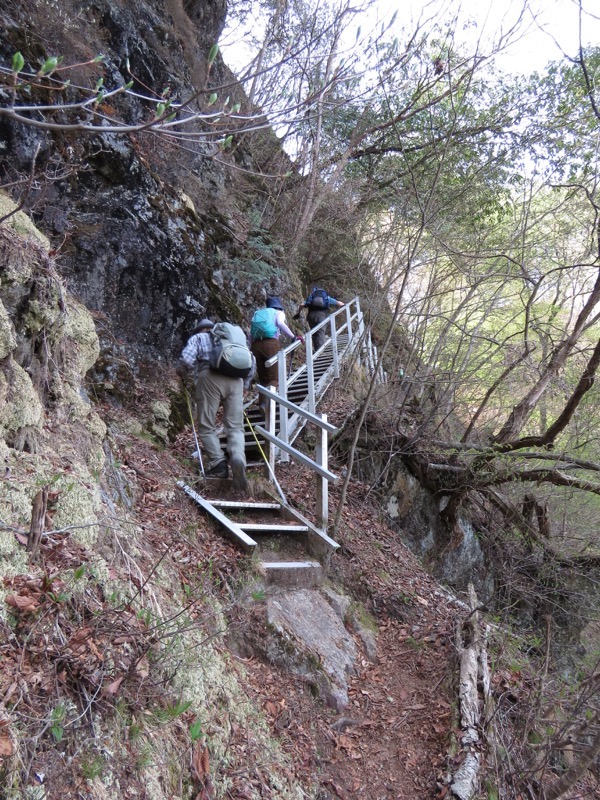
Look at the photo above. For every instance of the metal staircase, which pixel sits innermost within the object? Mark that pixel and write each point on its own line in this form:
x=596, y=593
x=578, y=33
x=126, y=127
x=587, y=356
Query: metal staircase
x=282, y=538
x=278, y=533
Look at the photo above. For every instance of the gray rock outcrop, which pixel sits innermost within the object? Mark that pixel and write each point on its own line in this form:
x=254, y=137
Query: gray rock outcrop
x=320, y=648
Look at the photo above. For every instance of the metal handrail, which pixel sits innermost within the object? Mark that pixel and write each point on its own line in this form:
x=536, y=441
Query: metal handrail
x=353, y=330
x=302, y=412
x=308, y=462
x=292, y=416
x=319, y=465
x=347, y=326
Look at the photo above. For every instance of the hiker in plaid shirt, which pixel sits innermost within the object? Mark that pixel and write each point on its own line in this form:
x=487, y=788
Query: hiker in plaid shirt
x=212, y=391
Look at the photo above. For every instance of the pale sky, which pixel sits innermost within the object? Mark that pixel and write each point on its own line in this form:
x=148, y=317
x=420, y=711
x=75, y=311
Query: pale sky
x=549, y=26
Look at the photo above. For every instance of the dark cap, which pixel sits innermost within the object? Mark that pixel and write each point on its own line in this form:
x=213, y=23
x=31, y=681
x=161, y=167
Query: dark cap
x=274, y=302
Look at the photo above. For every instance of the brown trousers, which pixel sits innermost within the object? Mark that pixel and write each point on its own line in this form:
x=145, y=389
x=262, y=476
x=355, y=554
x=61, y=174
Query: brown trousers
x=263, y=350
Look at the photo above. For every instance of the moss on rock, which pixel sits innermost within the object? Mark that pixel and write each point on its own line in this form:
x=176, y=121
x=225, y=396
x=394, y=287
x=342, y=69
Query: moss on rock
x=79, y=326
x=78, y=506
x=20, y=405
x=8, y=340
x=20, y=222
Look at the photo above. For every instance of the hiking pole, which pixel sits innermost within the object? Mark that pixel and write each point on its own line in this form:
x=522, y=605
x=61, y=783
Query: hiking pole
x=187, y=397
x=262, y=452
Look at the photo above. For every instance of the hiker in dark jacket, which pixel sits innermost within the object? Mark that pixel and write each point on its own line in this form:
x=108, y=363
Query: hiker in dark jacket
x=268, y=324
x=318, y=303
x=213, y=390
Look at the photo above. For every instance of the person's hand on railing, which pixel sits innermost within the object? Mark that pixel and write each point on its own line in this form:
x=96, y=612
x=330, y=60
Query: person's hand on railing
x=299, y=338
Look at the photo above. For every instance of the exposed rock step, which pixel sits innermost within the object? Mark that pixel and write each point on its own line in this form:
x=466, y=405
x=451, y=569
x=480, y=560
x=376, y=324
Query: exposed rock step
x=293, y=574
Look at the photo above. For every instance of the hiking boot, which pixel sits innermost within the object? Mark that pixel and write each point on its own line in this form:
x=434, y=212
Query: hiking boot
x=218, y=471
x=238, y=471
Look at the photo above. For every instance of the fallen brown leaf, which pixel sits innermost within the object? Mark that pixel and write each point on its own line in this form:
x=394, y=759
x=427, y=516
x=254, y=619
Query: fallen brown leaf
x=271, y=708
x=22, y=602
x=6, y=746
x=113, y=688
x=200, y=762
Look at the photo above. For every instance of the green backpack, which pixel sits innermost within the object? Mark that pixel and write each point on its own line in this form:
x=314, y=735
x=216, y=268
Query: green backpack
x=230, y=354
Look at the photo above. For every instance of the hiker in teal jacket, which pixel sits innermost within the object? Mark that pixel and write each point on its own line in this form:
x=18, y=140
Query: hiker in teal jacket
x=266, y=328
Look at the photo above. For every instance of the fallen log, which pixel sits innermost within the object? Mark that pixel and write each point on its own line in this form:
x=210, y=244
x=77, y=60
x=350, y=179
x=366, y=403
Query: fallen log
x=476, y=711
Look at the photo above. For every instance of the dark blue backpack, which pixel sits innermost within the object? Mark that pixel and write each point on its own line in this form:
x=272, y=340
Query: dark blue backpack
x=319, y=299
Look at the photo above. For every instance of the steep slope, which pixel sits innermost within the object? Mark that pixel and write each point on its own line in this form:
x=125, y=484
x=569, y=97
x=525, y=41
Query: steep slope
x=118, y=675
x=99, y=607
x=138, y=659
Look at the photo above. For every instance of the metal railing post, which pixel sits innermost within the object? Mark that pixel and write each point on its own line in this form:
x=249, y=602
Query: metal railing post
x=283, y=412
x=361, y=333
x=310, y=373
x=349, y=324
x=334, y=348
x=270, y=426
x=322, y=458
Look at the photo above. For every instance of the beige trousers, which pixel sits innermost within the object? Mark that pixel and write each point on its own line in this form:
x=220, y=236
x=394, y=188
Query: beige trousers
x=212, y=391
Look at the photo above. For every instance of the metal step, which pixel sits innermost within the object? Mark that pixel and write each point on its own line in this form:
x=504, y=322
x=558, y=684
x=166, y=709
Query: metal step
x=260, y=527
x=235, y=504
x=234, y=530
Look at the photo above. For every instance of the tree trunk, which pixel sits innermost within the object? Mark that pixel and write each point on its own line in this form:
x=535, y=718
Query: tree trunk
x=38, y=517
x=520, y=413
x=572, y=775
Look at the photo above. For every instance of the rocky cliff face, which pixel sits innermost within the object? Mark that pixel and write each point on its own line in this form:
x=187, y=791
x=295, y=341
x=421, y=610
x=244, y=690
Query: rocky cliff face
x=152, y=233
x=72, y=616
x=49, y=433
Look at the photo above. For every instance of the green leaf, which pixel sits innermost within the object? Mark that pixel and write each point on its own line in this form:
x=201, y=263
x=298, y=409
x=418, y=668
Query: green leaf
x=195, y=730
x=171, y=116
x=49, y=65
x=227, y=142
x=99, y=57
x=18, y=62
x=57, y=732
x=79, y=572
x=100, y=97
x=99, y=83
x=214, y=50
x=128, y=85
x=212, y=99
x=236, y=108
x=160, y=109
